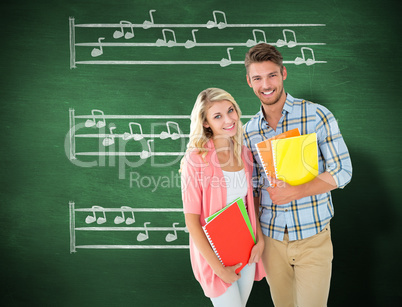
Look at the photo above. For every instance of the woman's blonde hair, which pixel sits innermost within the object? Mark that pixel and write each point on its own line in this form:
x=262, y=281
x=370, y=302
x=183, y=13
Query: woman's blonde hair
x=200, y=135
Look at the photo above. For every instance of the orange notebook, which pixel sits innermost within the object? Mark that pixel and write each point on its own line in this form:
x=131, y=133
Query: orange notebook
x=264, y=150
x=230, y=237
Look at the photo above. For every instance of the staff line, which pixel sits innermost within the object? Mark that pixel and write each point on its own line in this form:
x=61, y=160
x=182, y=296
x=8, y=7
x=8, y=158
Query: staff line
x=140, y=116
x=184, y=44
x=175, y=62
x=129, y=210
x=132, y=247
x=131, y=228
x=118, y=25
x=128, y=153
x=155, y=136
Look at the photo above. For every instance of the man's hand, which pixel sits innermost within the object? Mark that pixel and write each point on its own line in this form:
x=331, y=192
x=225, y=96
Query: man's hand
x=282, y=193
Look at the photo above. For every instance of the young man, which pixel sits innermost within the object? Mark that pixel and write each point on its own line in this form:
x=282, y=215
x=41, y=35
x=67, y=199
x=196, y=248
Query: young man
x=294, y=219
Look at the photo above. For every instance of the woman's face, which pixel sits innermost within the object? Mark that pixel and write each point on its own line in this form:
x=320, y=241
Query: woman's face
x=222, y=118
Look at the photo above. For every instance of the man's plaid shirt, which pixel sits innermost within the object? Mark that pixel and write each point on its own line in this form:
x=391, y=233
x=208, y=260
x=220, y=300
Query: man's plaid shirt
x=307, y=216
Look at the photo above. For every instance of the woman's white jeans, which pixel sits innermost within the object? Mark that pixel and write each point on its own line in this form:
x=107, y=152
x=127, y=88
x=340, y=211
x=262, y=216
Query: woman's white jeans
x=237, y=294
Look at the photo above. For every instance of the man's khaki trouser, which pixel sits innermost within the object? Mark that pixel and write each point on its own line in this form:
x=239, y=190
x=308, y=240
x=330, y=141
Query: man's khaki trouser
x=299, y=272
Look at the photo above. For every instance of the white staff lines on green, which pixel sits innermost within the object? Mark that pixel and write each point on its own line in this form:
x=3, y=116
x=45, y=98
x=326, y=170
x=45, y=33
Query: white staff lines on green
x=168, y=38
x=129, y=132
x=259, y=36
x=125, y=214
x=219, y=21
x=120, y=44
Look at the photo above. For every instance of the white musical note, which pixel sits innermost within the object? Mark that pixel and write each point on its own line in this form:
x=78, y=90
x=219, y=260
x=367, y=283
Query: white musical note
x=121, y=219
x=221, y=25
x=226, y=62
x=143, y=236
x=148, y=24
x=168, y=134
x=93, y=122
x=285, y=42
x=92, y=218
x=191, y=43
x=309, y=61
x=164, y=41
x=170, y=237
x=135, y=136
x=120, y=33
x=252, y=42
x=110, y=139
x=98, y=51
x=146, y=153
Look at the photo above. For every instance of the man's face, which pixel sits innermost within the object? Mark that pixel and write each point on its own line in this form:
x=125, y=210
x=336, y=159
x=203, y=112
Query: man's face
x=267, y=82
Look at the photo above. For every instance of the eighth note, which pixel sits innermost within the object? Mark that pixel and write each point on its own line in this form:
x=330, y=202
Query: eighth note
x=92, y=122
x=143, y=236
x=221, y=25
x=164, y=41
x=135, y=136
x=228, y=61
x=110, y=139
x=121, y=219
x=285, y=42
x=251, y=43
x=309, y=61
x=128, y=35
x=191, y=43
x=92, y=218
x=148, y=24
x=146, y=153
x=168, y=134
x=98, y=51
x=170, y=237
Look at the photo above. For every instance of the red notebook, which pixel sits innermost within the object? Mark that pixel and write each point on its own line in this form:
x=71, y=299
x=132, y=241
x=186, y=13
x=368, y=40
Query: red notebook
x=230, y=237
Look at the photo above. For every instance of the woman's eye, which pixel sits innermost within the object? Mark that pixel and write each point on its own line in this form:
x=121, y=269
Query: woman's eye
x=217, y=116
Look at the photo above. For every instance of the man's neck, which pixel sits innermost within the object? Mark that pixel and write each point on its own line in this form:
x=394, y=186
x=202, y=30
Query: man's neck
x=273, y=113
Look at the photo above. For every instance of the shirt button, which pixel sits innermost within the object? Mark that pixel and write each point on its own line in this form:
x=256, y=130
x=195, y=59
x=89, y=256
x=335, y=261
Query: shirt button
x=286, y=210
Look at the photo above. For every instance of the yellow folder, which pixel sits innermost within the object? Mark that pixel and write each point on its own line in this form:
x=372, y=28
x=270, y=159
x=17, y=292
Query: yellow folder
x=264, y=150
x=296, y=158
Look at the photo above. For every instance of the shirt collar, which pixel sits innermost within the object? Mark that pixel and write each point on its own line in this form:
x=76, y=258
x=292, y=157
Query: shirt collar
x=288, y=106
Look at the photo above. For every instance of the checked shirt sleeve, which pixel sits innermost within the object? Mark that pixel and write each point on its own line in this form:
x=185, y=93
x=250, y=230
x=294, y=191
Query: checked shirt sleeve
x=333, y=148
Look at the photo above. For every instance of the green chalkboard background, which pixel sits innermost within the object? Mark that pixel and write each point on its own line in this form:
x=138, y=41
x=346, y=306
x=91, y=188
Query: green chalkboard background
x=359, y=84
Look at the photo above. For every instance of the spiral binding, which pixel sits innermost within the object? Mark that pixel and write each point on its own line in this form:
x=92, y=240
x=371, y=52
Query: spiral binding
x=212, y=244
x=274, y=156
x=263, y=164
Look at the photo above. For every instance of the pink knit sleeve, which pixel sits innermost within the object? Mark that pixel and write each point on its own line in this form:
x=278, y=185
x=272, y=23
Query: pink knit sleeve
x=191, y=186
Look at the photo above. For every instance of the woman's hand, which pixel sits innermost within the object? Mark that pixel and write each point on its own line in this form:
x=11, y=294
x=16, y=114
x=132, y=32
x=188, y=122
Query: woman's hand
x=256, y=252
x=228, y=273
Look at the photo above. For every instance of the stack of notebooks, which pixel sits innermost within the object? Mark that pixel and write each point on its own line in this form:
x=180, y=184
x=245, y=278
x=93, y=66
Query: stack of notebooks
x=290, y=157
x=230, y=234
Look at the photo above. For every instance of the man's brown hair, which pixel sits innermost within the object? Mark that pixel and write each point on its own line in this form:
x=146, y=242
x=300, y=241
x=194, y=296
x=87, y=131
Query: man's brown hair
x=261, y=53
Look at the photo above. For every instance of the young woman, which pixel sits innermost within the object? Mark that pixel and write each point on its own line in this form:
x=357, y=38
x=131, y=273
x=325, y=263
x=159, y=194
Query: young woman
x=216, y=170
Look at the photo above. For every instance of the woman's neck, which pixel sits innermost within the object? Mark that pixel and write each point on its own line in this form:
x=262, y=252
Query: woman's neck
x=223, y=144
x=225, y=153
